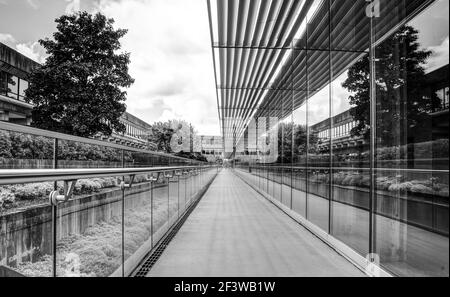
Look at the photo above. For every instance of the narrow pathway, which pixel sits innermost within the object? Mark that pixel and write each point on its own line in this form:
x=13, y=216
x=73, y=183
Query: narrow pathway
x=236, y=232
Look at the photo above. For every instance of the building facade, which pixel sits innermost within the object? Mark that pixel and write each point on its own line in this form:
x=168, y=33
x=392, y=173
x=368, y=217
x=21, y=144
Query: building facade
x=211, y=147
x=14, y=69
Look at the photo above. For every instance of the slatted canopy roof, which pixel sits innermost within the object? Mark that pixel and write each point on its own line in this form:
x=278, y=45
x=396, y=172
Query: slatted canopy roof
x=277, y=53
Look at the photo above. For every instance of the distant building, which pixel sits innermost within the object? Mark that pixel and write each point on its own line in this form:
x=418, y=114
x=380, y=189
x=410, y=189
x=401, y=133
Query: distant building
x=211, y=147
x=135, y=134
x=341, y=134
x=14, y=70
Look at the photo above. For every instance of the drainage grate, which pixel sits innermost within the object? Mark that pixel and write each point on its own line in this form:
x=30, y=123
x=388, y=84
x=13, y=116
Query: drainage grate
x=154, y=256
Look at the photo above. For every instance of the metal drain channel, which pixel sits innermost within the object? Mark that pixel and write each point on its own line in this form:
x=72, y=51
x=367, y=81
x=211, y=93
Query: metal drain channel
x=151, y=259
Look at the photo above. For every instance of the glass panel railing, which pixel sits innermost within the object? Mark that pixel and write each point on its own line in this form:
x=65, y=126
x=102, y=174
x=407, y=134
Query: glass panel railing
x=110, y=207
x=137, y=220
x=173, y=199
x=89, y=230
x=189, y=189
x=160, y=208
x=26, y=230
x=183, y=191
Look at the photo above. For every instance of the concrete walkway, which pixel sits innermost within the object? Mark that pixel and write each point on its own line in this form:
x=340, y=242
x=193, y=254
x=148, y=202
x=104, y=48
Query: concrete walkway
x=235, y=232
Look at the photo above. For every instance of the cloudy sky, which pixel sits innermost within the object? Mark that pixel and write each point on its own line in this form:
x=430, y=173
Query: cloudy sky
x=169, y=44
x=171, y=56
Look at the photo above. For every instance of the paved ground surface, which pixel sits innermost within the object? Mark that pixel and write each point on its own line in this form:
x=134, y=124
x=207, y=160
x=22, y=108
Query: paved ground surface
x=235, y=232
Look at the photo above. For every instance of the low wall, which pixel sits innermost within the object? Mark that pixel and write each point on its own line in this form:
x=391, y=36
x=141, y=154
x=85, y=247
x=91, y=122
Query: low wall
x=26, y=234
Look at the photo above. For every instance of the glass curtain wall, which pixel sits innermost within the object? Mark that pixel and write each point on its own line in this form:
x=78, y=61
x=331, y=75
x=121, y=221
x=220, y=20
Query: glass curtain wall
x=411, y=199
x=363, y=130
x=12, y=86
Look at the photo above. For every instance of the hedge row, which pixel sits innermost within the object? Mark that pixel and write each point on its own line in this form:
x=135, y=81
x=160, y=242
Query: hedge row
x=11, y=194
x=398, y=183
x=23, y=146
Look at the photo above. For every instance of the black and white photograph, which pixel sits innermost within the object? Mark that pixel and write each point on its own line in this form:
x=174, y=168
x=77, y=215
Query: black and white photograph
x=221, y=147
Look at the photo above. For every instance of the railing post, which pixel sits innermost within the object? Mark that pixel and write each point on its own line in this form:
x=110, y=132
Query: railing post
x=330, y=102
x=372, y=110
x=151, y=213
x=54, y=208
x=123, y=217
x=152, y=178
x=168, y=176
x=178, y=174
x=185, y=188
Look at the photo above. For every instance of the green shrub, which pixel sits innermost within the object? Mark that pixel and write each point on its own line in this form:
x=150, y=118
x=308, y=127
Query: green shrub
x=400, y=187
x=348, y=180
x=421, y=189
x=32, y=191
x=5, y=145
x=7, y=199
x=338, y=178
x=24, y=146
x=40, y=191
x=383, y=183
x=106, y=182
x=86, y=186
x=393, y=183
x=365, y=181
x=140, y=178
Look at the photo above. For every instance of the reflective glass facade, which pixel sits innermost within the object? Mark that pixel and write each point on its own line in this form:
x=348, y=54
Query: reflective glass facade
x=12, y=86
x=352, y=132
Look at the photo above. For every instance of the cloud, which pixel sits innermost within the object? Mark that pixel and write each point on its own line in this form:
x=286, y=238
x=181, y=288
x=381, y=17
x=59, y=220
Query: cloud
x=4, y=2
x=319, y=103
x=73, y=6
x=35, y=4
x=439, y=57
x=171, y=87
x=7, y=39
x=32, y=50
x=170, y=60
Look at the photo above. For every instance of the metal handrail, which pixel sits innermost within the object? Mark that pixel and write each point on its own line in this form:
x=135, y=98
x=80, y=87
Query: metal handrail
x=50, y=134
x=350, y=168
x=22, y=176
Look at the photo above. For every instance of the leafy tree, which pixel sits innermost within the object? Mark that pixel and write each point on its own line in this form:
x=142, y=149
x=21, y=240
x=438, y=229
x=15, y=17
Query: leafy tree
x=301, y=139
x=285, y=143
x=292, y=148
x=183, y=138
x=161, y=134
x=79, y=89
x=174, y=136
x=402, y=104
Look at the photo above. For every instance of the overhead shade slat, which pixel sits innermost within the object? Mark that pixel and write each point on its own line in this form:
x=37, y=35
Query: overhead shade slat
x=256, y=36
